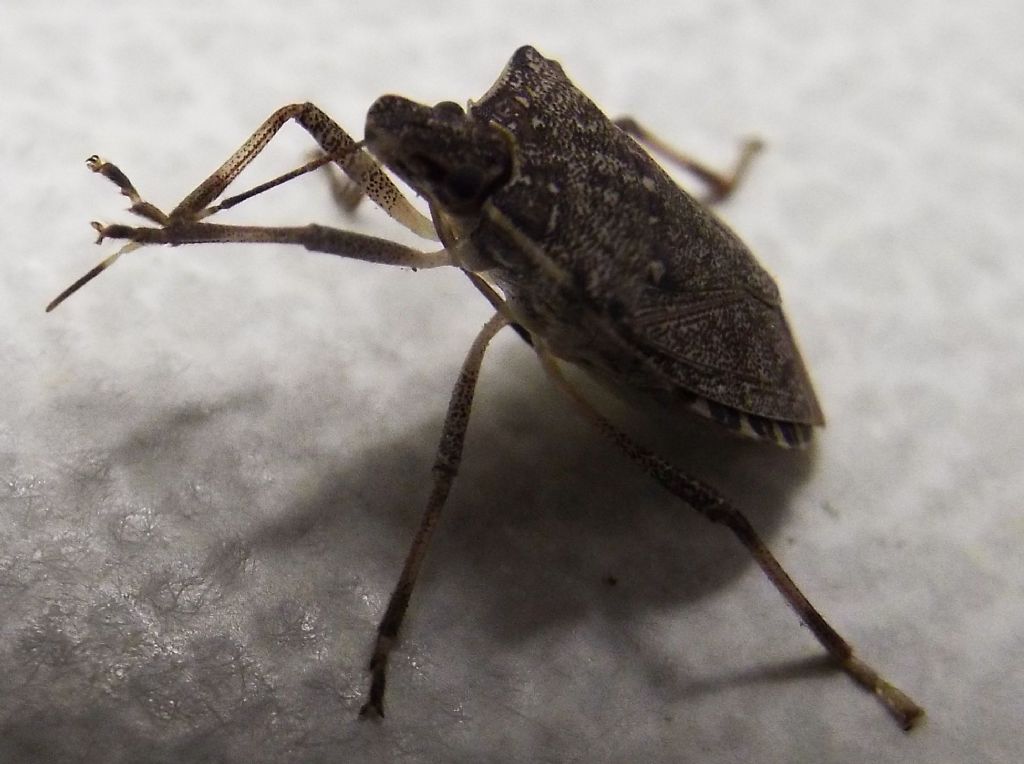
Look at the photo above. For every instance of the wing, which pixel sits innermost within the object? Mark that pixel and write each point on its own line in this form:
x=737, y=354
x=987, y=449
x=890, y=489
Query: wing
x=730, y=345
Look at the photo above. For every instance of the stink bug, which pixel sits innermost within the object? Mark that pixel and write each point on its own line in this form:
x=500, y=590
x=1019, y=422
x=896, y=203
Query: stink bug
x=587, y=248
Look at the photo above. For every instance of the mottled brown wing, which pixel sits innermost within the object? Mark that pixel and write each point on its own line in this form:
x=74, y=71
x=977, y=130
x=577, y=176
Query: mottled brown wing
x=730, y=345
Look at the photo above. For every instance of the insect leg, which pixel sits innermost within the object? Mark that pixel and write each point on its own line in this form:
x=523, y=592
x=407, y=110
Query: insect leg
x=315, y=162
x=315, y=238
x=446, y=466
x=346, y=192
x=355, y=161
x=709, y=503
x=720, y=185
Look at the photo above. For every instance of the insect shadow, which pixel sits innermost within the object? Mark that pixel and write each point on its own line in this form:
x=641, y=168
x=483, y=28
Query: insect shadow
x=547, y=521
x=548, y=527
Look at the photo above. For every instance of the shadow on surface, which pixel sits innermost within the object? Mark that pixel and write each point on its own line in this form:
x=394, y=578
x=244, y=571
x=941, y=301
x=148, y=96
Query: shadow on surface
x=548, y=523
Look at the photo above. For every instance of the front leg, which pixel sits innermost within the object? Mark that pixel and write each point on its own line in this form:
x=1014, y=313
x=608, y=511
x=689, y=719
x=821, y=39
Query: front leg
x=315, y=238
x=337, y=144
x=180, y=228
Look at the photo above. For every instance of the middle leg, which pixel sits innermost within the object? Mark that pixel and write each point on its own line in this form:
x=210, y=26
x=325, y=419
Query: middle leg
x=446, y=466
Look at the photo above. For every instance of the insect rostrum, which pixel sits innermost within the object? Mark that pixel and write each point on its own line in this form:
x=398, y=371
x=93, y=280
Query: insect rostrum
x=581, y=242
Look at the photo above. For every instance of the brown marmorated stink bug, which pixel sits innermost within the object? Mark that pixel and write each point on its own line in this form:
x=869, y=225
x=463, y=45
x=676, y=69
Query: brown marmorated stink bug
x=581, y=243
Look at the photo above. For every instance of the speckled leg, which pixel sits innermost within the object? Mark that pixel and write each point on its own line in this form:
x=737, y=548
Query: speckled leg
x=184, y=225
x=347, y=194
x=720, y=185
x=709, y=503
x=446, y=466
x=336, y=144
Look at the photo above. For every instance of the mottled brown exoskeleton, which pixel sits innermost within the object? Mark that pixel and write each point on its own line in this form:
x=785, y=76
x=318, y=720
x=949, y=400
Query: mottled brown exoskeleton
x=587, y=248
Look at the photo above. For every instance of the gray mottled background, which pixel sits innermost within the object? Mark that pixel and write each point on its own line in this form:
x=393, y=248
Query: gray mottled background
x=212, y=459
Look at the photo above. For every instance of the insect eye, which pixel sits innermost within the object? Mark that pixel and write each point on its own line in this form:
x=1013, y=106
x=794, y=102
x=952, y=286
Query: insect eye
x=449, y=109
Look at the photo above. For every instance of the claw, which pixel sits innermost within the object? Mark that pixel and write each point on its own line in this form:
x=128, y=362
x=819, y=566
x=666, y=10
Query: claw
x=115, y=175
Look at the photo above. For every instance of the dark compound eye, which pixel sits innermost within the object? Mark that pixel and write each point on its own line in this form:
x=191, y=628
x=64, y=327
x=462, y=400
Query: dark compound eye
x=448, y=109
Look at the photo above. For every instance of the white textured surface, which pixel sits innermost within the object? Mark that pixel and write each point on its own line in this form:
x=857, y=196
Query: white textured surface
x=211, y=463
